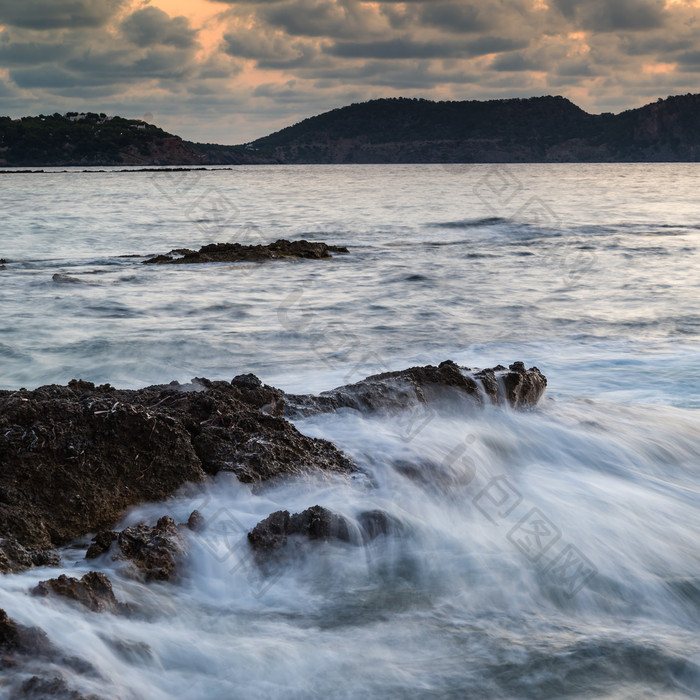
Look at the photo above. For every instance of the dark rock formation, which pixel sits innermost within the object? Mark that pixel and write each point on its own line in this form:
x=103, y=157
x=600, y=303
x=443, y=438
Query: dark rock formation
x=394, y=391
x=16, y=638
x=101, y=543
x=94, y=591
x=196, y=521
x=318, y=523
x=154, y=551
x=56, y=688
x=22, y=646
x=102, y=450
x=74, y=457
x=314, y=523
x=236, y=252
x=14, y=557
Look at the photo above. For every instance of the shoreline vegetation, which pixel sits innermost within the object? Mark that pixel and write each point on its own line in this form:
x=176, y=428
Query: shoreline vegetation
x=384, y=131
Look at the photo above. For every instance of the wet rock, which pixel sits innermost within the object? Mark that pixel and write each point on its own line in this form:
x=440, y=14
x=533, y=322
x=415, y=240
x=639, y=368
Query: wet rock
x=16, y=638
x=55, y=688
x=84, y=453
x=375, y=523
x=524, y=387
x=82, y=456
x=395, y=391
x=316, y=523
x=65, y=279
x=15, y=558
x=236, y=252
x=101, y=543
x=154, y=551
x=196, y=521
x=94, y=591
x=22, y=646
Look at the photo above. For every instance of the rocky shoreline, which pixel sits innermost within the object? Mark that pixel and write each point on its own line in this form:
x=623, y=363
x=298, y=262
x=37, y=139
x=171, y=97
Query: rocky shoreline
x=103, y=449
x=75, y=457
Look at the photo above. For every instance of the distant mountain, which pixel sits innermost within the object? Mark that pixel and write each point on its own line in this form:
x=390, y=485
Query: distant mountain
x=539, y=129
x=396, y=130
x=89, y=139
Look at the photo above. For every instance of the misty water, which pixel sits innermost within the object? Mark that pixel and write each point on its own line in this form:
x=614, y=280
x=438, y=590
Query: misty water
x=589, y=272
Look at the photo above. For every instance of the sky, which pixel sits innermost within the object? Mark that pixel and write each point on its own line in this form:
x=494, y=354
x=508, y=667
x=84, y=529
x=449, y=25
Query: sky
x=227, y=71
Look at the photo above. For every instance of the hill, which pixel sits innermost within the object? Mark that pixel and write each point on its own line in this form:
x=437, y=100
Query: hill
x=395, y=130
x=538, y=129
x=89, y=139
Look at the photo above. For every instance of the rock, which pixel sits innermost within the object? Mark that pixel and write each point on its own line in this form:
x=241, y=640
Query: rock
x=100, y=543
x=196, y=521
x=524, y=387
x=375, y=523
x=16, y=638
x=314, y=523
x=84, y=453
x=15, y=558
x=395, y=391
x=104, y=449
x=55, y=688
x=154, y=551
x=318, y=523
x=94, y=591
x=65, y=279
x=236, y=252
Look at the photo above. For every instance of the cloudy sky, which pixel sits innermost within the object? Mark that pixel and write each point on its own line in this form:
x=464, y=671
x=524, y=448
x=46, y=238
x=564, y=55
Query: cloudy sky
x=228, y=71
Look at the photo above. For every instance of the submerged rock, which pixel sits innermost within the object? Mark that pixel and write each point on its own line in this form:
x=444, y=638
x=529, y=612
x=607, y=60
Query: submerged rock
x=94, y=591
x=395, y=391
x=21, y=647
x=237, y=252
x=55, y=688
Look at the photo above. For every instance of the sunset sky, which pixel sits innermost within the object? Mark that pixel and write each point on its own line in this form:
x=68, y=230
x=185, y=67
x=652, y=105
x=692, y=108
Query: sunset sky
x=228, y=71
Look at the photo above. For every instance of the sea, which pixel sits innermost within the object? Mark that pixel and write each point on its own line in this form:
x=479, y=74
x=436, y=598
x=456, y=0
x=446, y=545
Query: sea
x=552, y=553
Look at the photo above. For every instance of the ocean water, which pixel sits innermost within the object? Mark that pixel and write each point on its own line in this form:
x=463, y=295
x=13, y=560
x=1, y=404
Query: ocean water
x=550, y=553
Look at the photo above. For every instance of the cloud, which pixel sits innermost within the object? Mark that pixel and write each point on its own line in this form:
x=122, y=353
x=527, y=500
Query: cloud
x=605, y=16
x=409, y=48
x=57, y=14
x=152, y=26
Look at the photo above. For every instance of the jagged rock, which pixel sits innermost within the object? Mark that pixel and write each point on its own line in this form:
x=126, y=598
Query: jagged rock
x=94, y=591
x=15, y=558
x=155, y=551
x=395, y=391
x=55, y=688
x=16, y=638
x=196, y=521
x=237, y=252
x=84, y=453
x=524, y=387
x=101, y=543
x=314, y=523
x=318, y=523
